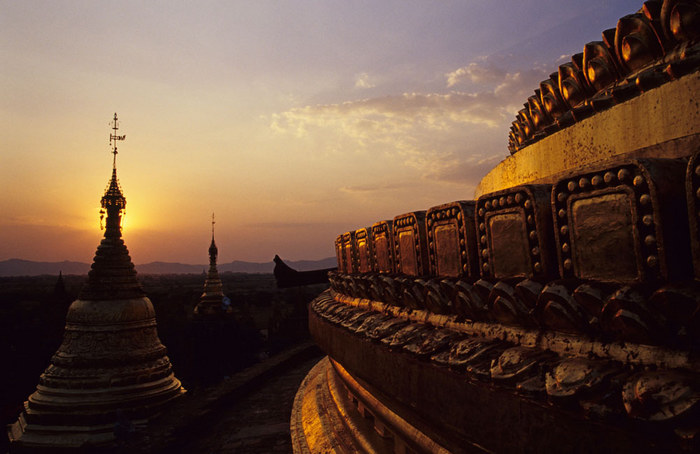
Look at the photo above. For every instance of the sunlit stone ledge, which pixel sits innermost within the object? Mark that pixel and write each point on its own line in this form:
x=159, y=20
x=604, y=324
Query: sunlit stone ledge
x=665, y=115
x=561, y=343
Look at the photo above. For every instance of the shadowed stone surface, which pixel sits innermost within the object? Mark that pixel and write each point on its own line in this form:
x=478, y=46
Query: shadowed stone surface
x=259, y=421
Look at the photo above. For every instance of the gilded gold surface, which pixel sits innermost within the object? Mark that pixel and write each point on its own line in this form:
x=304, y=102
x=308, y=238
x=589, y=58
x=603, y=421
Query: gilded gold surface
x=408, y=252
x=323, y=420
x=326, y=420
x=397, y=424
x=661, y=115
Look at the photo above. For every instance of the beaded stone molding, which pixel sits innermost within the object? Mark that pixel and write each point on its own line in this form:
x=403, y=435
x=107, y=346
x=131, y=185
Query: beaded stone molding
x=604, y=253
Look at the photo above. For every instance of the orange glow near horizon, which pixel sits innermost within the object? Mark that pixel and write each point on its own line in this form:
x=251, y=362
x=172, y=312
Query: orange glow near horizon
x=293, y=122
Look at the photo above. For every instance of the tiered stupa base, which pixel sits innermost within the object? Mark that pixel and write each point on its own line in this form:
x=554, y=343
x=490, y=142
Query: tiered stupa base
x=110, y=374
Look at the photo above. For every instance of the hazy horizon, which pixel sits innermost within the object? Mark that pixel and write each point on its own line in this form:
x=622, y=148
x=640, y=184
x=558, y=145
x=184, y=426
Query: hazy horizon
x=17, y=267
x=292, y=121
x=182, y=263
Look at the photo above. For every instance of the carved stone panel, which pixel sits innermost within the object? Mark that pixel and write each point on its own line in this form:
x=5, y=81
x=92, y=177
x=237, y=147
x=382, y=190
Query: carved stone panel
x=452, y=240
x=514, y=232
x=508, y=248
x=339, y=254
x=605, y=223
x=348, y=246
x=363, y=243
x=623, y=224
x=383, y=246
x=410, y=244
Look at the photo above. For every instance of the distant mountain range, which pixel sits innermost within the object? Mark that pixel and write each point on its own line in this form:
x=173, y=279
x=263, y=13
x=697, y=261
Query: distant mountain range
x=17, y=267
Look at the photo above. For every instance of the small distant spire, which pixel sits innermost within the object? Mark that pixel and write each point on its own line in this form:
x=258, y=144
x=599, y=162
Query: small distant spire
x=213, y=250
x=211, y=301
x=60, y=287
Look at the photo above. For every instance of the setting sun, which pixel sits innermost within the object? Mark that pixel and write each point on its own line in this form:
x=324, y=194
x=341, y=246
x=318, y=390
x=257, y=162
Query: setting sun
x=291, y=122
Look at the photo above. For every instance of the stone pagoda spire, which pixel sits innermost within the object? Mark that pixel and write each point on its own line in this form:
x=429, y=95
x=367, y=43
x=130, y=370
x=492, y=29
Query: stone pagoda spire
x=59, y=289
x=212, y=300
x=111, y=366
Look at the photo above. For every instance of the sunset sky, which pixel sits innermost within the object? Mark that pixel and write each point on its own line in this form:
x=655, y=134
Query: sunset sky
x=293, y=121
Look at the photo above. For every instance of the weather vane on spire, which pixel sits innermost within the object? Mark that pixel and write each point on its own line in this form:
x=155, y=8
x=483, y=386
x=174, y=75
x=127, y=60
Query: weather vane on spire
x=113, y=202
x=113, y=139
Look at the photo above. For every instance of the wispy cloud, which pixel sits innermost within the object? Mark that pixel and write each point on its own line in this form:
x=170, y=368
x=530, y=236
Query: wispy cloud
x=291, y=225
x=362, y=81
x=370, y=188
x=438, y=133
x=475, y=72
x=462, y=168
x=392, y=114
x=32, y=220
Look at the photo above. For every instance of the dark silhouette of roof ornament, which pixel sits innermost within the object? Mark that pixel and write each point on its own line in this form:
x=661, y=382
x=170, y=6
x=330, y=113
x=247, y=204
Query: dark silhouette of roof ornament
x=112, y=275
x=212, y=300
x=213, y=250
x=113, y=197
x=111, y=365
x=60, y=287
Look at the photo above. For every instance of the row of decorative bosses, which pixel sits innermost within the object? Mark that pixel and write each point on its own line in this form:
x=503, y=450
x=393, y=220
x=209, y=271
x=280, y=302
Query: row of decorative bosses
x=635, y=223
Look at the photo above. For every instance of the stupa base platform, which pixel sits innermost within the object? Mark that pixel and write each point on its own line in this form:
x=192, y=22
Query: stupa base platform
x=63, y=438
x=333, y=412
x=370, y=397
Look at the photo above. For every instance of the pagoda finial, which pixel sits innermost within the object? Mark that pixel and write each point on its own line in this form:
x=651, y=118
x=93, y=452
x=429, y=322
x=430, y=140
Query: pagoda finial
x=113, y=202
x=211, y=301
x=112, y=275
x=113, y=138
x=213, y=250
